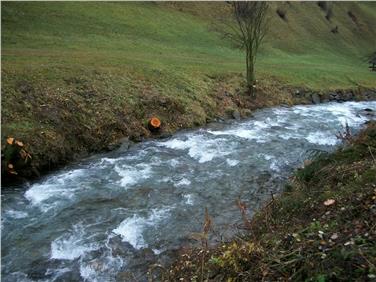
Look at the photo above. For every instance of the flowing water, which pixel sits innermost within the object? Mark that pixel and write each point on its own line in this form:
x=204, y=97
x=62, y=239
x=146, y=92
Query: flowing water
x=118, y=212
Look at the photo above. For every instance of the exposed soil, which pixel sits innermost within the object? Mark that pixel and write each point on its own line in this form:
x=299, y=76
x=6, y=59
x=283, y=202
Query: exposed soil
x=58, y=129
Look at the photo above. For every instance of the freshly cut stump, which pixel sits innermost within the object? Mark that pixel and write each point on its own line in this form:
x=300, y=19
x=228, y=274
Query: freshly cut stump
x=154, y=124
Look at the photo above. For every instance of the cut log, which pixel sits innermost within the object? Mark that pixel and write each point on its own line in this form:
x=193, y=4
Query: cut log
x=154, y=124
x=19, y=143
x=10, y=140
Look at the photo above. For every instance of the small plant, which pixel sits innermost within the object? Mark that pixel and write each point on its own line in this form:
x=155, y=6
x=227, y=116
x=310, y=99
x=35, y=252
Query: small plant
x=316, y=154
x=204, y=234
x=345, y=136
x=243, y=210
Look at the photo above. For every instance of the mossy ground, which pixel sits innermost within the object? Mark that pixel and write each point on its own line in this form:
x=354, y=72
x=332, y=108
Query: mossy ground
x=300, y=235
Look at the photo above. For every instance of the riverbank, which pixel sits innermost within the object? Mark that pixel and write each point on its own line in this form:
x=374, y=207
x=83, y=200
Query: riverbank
x=78, y=78
x=56, y=135
x=321, y=227
x=111, y=216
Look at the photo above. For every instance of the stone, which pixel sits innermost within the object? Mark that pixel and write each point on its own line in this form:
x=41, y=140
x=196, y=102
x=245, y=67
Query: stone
x=348, y=96
x=315, y=98
x=120, y=247
x=370, y=94
x=236, y=115
x=367, y=112
x=247, y=113
x=125, y=144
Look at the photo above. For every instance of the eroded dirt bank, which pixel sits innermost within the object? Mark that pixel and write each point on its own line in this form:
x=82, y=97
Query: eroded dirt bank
x=65, y=124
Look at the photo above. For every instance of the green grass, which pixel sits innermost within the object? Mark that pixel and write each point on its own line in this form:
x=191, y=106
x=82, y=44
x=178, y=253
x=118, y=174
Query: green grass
x=147, y=36
x=99, y=70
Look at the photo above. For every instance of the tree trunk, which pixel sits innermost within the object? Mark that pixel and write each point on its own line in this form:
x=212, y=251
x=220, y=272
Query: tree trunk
x=250, y=71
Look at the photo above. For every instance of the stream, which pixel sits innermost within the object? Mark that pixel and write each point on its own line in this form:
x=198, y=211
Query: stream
x=108, y=217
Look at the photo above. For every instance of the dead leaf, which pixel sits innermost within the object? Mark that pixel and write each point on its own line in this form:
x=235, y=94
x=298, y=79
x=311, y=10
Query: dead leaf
x=329, y=202
x=334, y=236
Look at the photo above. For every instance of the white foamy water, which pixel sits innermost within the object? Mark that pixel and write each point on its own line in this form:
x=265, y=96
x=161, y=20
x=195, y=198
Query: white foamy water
x=16, y=214
x=71, y=245
x=199, y=147
x=183, y=182
x=57, y=187
x=188, y=199
x=131, y=229
x=232, y=162
x=322, y=138
x=243, y=132
x=131, y=175
x=134, y=205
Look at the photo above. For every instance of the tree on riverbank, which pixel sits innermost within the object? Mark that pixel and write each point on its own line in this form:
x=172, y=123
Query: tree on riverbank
x=247, y=27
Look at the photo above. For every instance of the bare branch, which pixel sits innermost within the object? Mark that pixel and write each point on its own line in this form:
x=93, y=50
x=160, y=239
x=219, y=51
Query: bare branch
x=246, y=26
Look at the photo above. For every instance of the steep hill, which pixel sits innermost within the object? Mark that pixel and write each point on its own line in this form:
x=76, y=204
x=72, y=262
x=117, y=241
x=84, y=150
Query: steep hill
x=77, y=76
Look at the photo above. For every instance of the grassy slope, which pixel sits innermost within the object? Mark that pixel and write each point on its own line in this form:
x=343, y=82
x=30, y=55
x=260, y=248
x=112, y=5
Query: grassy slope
x=296, y=237
x=144, y=36
x=78, y=76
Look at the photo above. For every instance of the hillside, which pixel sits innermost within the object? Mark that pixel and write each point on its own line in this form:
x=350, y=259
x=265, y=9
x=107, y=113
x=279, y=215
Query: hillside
x=76, y=77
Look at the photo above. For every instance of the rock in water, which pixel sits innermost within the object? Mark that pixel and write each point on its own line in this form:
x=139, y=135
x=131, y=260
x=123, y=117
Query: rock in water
x=315, y=98
x=236, y=114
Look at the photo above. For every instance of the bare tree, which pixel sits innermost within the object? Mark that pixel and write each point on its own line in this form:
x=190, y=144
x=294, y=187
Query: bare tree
x=247, y=27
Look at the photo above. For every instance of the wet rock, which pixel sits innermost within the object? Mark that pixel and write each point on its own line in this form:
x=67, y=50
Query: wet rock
x=236, y=114
x=121, y=248
x=38, y=269
x=247, y=113
x=163, y=135
x=370, y=94
x=125, y=276
x=367, y=112
x=136, y=138
x=315, y=98
x=348, y=96
x=334, y=96
x=123, y=144
x=140, y=262
x=72, y=275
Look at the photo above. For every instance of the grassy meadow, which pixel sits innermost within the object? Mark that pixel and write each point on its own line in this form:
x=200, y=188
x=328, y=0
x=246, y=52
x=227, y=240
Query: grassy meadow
x=100, y=70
